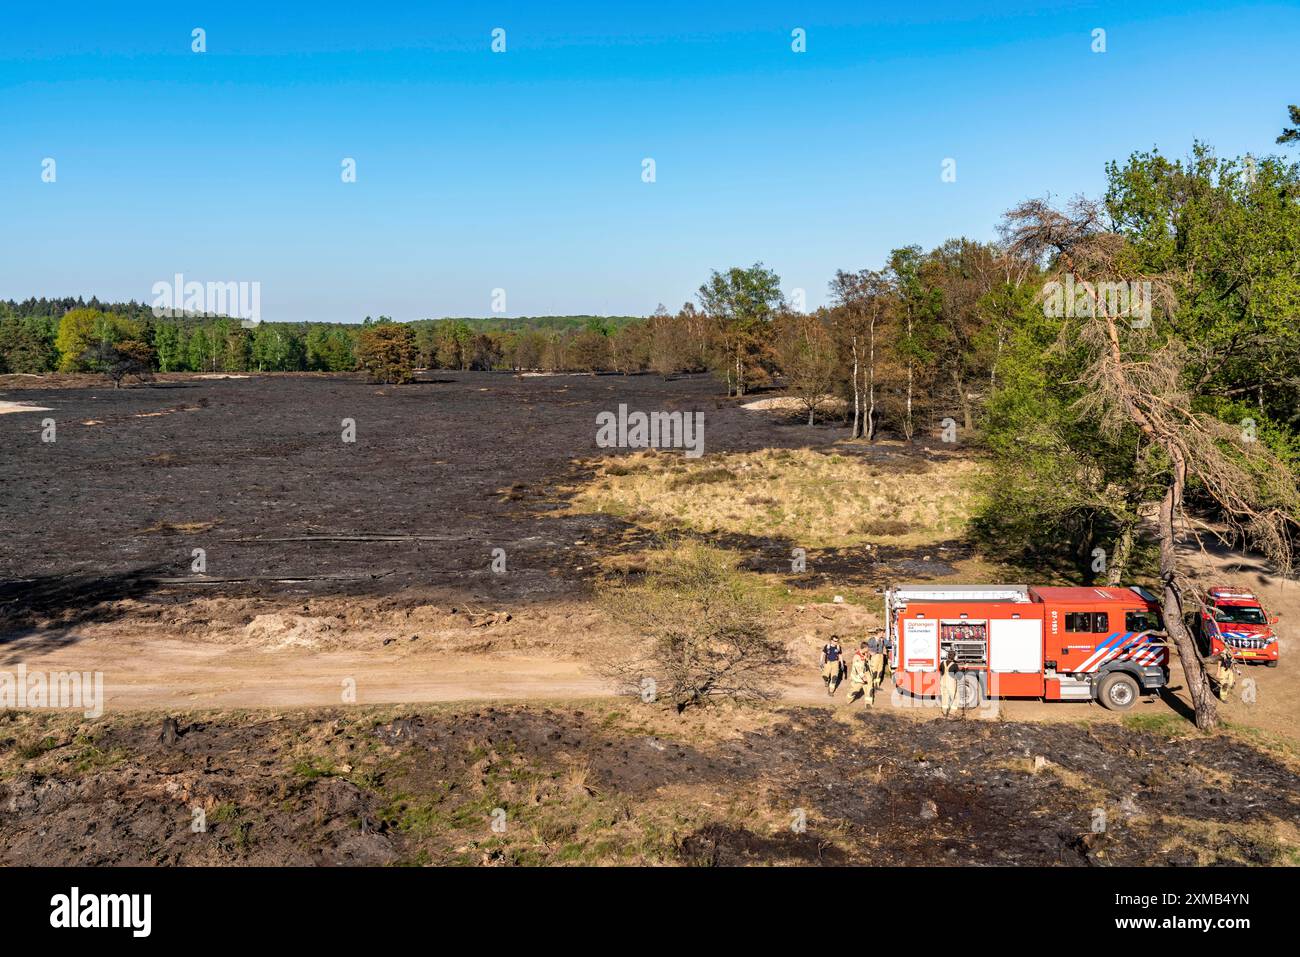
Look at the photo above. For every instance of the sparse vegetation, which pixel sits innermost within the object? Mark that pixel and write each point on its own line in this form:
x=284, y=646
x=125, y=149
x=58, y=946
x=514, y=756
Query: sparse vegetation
x=615, y=782
x=705, y=637
x=816, y=499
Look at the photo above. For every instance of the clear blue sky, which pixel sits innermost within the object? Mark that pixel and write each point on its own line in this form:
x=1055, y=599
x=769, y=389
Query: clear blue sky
x=522, y=170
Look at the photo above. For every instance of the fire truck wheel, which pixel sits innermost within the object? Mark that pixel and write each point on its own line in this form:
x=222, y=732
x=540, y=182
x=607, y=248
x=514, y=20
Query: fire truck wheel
x=968, y=693
x=1118, y=691
x=1270, y=664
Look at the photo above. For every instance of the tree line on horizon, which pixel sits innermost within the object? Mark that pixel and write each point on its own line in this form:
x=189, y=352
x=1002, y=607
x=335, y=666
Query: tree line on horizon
x=932, y=334
x=40, y=336
x=905, y=346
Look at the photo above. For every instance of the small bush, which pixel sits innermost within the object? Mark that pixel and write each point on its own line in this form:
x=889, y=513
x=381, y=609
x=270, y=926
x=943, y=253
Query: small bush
x=705, y=635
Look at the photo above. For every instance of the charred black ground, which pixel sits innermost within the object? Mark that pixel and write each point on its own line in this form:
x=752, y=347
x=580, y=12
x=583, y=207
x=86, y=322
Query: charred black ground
x=255, y=472
x=607, y=783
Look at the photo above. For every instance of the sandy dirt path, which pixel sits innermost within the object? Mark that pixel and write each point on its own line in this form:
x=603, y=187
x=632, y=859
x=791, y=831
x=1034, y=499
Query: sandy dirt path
x=182, y=674
x=154, y=674
x=178, y=675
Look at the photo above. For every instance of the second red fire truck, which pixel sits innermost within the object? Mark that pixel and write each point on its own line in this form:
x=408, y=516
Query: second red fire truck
x=1234, y=618
x=1018, y=641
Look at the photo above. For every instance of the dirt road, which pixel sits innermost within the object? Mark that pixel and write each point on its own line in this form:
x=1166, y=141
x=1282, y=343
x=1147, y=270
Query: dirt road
x=148, y=674
x=153, y=674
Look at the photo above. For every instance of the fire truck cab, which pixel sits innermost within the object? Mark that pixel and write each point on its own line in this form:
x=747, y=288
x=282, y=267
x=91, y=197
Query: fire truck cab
x=1018, y=641
x=1234, y=618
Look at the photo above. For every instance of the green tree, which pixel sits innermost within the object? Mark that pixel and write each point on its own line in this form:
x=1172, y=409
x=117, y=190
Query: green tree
x=1140, y=382
x=918, y=304
x=167, y=346
x=1227, y=232
x=80, y=329
x=742, y=304
x=26, y=346
x=277, y=348
x=329, y=349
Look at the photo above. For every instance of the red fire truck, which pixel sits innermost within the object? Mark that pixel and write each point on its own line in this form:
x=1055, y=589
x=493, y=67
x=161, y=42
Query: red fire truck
x=1017, y=641
x=1234, y=618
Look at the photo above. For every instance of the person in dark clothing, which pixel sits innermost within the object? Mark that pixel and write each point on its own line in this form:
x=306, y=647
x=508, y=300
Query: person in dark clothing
x=832, y=662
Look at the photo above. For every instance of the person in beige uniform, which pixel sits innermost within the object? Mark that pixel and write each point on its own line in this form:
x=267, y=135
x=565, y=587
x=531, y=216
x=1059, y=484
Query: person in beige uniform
x=1227, y=677
x=948, y=682
x=860, y=676
x=876, y=661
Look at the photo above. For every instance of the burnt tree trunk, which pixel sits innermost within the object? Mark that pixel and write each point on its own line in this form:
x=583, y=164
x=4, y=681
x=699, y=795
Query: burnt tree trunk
x=1171, y=607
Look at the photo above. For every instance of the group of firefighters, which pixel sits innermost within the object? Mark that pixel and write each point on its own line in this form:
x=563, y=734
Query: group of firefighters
x=870, y=665
x=866, y=672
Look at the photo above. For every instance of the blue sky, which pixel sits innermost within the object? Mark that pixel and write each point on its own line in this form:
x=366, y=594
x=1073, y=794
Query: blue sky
x=522, y=170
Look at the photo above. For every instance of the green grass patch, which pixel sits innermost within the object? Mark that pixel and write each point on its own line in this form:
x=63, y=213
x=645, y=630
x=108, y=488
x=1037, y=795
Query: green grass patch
x=1166, y=724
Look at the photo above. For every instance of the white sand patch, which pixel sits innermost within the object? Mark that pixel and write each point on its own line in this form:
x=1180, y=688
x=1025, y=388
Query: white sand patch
x=6, y=407
x=790, y=403
x=222, y=375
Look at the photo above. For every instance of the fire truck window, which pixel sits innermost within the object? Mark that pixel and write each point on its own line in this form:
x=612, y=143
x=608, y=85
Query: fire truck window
x=1141, y=621
x=1087, y=622
x=1238, y=615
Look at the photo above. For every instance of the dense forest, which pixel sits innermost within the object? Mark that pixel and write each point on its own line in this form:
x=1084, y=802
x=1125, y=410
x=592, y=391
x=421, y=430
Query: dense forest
x=48, y=335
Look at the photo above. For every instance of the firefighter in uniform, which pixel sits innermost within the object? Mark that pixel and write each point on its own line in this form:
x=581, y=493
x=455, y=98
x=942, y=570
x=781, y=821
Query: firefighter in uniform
x=832, y=664
x=1227, y=677
x=859, y=676
x=876, y=661
x=948, y=681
